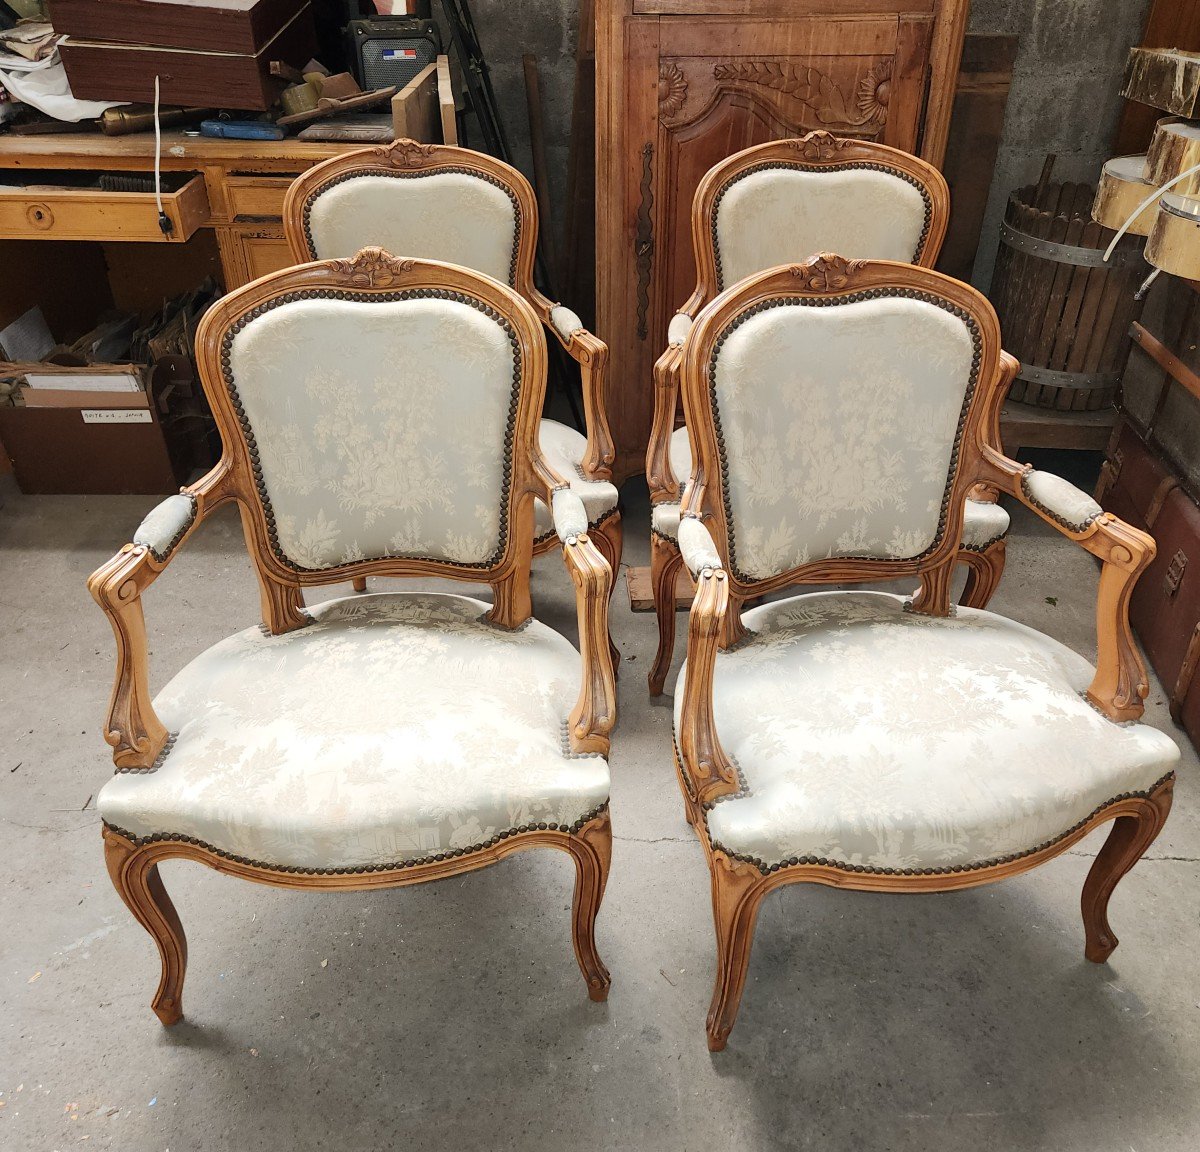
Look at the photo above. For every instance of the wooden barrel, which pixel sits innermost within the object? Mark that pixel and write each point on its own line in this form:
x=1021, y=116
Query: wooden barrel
x=1064, y=312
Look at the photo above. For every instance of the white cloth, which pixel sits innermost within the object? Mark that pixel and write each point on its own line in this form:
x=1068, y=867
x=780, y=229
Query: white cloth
x=43, y=84
x=393, y=728
x=872, y=736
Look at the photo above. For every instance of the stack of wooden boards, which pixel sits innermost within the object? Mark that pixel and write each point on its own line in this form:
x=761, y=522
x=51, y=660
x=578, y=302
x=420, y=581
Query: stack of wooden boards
x=1167, y=79
x=1151, y=477
x=205, y=53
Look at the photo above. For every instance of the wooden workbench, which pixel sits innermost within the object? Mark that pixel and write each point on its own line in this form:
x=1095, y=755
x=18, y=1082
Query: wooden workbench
x=237, y=192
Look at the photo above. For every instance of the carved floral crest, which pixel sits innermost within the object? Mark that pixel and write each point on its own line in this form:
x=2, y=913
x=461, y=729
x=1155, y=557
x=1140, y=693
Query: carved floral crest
x=819, y=145
x=672, y=88
x=827, y=272
x=874, y=92
x=406, y=153
x=373, y=268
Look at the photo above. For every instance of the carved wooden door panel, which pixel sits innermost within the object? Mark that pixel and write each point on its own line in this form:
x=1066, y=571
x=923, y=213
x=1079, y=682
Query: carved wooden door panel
x=696, y=84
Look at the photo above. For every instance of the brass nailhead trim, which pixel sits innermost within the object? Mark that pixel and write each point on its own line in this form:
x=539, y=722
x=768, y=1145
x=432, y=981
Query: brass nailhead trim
x=357, y=173
x=371, y=298
x=174, y=543
x=591, y=523
x=158, y=760
x=1074, y=526
x=835, y=302
x=362, y=869
x=796, y=165
x=994, y=862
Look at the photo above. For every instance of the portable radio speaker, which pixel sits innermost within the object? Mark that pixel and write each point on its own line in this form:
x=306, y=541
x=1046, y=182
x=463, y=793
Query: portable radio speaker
x=391, y=50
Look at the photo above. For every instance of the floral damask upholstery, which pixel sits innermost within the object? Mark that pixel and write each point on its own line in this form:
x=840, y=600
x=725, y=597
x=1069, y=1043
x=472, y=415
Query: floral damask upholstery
x=452, y=216
x=461, y=218
x=780, y=215
x=391, y=728
x=358, y=417
x=983, y=522
x=838, y=428
x=867, y=735
x=563, y=449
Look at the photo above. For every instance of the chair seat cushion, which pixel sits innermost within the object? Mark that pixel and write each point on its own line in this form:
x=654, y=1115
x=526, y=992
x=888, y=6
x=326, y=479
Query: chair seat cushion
x=564, y=449
x=983, y=523
x=392, y=729
x=869, y=736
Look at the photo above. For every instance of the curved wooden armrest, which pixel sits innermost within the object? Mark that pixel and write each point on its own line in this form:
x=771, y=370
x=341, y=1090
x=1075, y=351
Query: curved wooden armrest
x=660, y=476
x=1120, y=684
x=709, y=773
x=591, y=354
x=132, y=728
x=595, y=711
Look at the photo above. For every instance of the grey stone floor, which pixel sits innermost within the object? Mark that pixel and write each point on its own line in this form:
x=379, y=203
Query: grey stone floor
x=453, y=1015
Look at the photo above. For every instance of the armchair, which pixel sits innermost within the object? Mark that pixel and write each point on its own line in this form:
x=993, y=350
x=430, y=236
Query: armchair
x=854, y=738
x=439, y=202
x=380, y=740
x=762, y=207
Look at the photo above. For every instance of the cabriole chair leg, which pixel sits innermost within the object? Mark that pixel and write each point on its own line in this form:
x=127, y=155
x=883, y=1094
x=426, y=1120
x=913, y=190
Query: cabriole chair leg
x=591, y=849
x=665, y=563
x=136, y=879
x=984, y=570
x=737, y=892
x=1128, y=841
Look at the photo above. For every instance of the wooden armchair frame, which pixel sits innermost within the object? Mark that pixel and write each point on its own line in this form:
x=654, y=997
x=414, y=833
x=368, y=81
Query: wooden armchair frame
x=818, y=151
x=408, y=159
x=138, y=736
x=706, y=773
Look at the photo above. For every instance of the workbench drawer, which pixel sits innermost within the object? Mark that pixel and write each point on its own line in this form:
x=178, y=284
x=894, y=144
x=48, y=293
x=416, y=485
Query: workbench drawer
x=47, y=211
x=256, y=197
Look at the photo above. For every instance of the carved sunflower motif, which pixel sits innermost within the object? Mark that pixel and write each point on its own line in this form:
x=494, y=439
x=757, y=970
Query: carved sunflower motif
x=672, y=89
x=874, y=92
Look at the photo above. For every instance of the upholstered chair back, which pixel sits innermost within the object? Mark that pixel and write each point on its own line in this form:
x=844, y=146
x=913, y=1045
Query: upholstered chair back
x=434, y=202
x=382, y=417
x=833, y=405
x=785, y=201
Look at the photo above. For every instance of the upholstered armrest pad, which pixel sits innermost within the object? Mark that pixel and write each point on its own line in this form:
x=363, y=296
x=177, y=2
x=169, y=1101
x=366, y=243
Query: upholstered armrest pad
x=565, y=321
x=1060, y=500
x=163, y=528
x=680, y=326
x=570, y=515
x=696, y=546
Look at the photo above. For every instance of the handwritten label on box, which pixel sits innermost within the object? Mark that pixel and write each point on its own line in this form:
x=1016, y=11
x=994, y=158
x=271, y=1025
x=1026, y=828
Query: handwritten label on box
x=116, y=415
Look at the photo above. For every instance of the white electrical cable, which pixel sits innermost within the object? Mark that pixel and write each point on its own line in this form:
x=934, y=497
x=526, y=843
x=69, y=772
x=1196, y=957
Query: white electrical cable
x=1146, y=204
x=157, y=154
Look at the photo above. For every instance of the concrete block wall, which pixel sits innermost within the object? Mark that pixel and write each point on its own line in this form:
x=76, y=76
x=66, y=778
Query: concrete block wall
x=1064, y=96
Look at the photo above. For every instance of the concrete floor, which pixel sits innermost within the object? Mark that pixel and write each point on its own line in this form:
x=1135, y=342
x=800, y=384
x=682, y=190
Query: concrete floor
x=453, y=1015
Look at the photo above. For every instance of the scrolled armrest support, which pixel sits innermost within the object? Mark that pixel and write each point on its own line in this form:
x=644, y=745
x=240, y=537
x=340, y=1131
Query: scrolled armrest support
x=132, y=727
x=708, y=772
x=595, y=711
x=660, y=477
x=1120, y=684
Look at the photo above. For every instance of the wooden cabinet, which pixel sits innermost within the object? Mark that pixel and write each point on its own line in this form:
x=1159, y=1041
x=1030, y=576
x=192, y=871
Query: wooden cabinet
x=681, y=84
